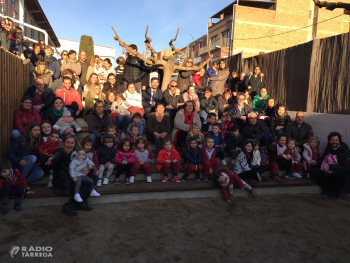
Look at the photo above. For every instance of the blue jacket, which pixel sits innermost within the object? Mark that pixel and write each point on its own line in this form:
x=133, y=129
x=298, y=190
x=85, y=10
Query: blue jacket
x=55, y=67
x=146, y=97
x=232, y=142
x=233, y=109
x=193, y=156
x=140, y=124
x=105, y=154
x=210, y=73
x=221, y=140
x=17, y=152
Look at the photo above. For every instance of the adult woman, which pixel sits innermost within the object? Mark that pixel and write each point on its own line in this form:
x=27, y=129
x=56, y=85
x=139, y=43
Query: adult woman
x=184, y=77
x=91, y=69
x=52, y=62
x=209, y=104
x=23, y=116
x=268, y=110
x=255, y=81
x=64, y=57
x=41, y=71
x=72, y=63
x=4, y=34
x=63, y=183
x=259, y=100
x=119, y=70
x=46, y=128
x=113, y=85
x=76, y=84
x=182, y=123
x=134, y=100
x=55, y=112
x=191, y=95
x=92, y=96
x=232, y=82
x=220, y=79
x=158, y=125
x=36, y=54
x=224, y=101
x=280, y=121
x=93, y=81
x=23, y=151
x=107, y=68
x=248, y=100
x=110, y=98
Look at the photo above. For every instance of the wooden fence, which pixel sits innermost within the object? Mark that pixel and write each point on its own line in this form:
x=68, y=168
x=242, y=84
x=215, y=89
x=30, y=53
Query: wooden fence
x=14, y=81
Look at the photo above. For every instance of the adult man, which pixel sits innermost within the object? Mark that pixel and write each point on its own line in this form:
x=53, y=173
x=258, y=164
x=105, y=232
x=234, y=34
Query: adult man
x=70, y=96
x=333, y=184
x=172, y=99
x=257, y=129
x=239, y=111
x=42, y=47
x=84, y=64
x=151, y=96
x=299, y=130
x=255, y=82
x=41, y=94
x=57, y=84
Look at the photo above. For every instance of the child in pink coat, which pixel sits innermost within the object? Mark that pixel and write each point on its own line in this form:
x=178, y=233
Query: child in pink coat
x=312, y=152
x=124, y=160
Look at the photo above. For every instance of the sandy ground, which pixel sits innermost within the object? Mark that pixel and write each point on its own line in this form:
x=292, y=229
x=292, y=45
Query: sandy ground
x=303, y=228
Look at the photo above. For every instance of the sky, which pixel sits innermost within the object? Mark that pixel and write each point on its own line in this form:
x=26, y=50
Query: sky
x=70, y=19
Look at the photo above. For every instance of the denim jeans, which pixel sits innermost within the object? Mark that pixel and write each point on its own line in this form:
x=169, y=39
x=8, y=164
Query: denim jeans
x=122, y=122
x=170, y=112
x=203, y=114
x=15, y=134
x=266, y=140
x=30, y=171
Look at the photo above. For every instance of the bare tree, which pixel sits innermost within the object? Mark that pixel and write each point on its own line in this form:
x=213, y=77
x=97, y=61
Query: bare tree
x=332, y=5
x=166, y=62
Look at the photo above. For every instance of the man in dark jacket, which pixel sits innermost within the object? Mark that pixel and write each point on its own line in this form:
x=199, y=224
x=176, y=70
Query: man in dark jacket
x=42, y=96
x=299, y=130
x=151, y=96
x=134, y=70
x=172, y=99
x=333, y=184
x=84, y=64
x=208, y=104
x=239, y=111
x=255, y=81
x=256, y=129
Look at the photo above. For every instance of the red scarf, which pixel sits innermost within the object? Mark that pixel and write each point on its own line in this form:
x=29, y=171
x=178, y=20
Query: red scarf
x=188, y=121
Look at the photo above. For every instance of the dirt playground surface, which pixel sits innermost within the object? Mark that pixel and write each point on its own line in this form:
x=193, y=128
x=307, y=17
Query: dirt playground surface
x=288, y=228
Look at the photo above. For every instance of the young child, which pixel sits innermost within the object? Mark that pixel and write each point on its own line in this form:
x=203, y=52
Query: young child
x=79, y=162
x=195, y=132
x=256, y=154
x=168, y=158
x=137, y=120
x=234, y=142
x=16, y=44
x=225, y=124
x=193, y=159
x=208, y=125
x=283, y=161
x=112, y=130
x=312, y=152
x=293, y=154
x=12, y=183
x=124, y=160
x=144, y=159
x=269, y=157
x=89, y=145
x=210, y=164
x=119, y=107
x=99, y=70
x=106, y=156
x=134, y=131
x=220, y=143
x=66, y=122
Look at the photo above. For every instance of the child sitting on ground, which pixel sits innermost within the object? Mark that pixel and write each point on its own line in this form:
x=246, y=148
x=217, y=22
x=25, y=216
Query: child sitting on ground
x=208, y=124
x=225, y=124
x=112, y=130
x=220, y=143
x=80, y=162
x=234, y=142
x=283, y=161
x=134, y=131
x=226, y=179
x=193, y=159
x=66, y=122
x=89, y=145
x=144, y=159
x=119, y=107
x=195, y=131
x=256, y=154
x=105, y=156
x=137, y=120
x=124, y=160
x=12, y=183
x=312, y=152
x=269, y=158
x=293, y=154
x=210, y=164
x=168, y=158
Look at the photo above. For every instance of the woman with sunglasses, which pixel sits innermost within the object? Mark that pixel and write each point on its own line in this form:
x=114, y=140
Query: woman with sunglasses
x=184, y=77
x=64, y=56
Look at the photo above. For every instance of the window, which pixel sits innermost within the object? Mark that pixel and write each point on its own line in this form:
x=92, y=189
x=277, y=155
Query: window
x=225, y=34
x=226, y=40
x=32, y=30
x=214, y=38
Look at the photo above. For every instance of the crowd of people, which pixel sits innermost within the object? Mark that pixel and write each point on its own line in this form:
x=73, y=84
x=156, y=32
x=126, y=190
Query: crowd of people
x=215, y=112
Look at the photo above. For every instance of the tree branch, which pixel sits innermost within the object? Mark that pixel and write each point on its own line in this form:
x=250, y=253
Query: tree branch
x=332, y=5
x=178, y=67
x=174, y=39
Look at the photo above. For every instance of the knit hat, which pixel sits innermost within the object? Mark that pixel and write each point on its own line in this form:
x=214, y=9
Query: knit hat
x=66, y=113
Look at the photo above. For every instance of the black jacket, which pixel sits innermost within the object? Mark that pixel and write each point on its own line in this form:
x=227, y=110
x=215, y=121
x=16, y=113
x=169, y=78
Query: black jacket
x=47, y=96
x=300, y=135
x=206, y=104
x=266, y=111
x=98, y=126
x=232, y=84
x=232, y=142
x=61, y=178
x=119, y=75
x=17, y=152
x=279, y=121
x=343, y=158
x=233, y=109
x=257, y=131
x=203, y=81
x=51, y=117
x=193, y=156
x=134, y=70
x=146, y=97
x=172, y=100
x=105, y=154
x=256, y=83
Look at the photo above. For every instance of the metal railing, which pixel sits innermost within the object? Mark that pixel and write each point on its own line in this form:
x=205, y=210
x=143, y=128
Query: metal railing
x=192, y=54
x=202, y=50
x=223, y=42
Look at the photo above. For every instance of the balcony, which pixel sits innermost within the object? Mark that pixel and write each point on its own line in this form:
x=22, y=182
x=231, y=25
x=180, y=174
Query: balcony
x=223, y=42
x=192, y=54
x=202, y=50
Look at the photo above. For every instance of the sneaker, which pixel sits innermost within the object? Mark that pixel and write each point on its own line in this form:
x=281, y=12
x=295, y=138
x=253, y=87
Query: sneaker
x=99, y=182
x=184, y=177
x=308, y=175
x=297, y=175
x=290, y=176
x=77, y=198
x=206, y=178
x=198, y=177
x=132, y=179
x=105, y=180
x=94, y=193
x=149, y=179
x=223, y=162
x=277, y=179
x=232, y=161
x=49, y=184
x=127, y=181
x=165, y=178
x=176, y=179
x=231, y=197
x=4, y=210
x=254, y=194
x=116, y=181
x=26, y=61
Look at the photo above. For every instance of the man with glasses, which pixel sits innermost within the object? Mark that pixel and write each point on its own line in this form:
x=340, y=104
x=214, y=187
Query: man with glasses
x=239, y=111
x=172, y=99
x=257, y=129
x=184, y=77
x=84, y=64
x=41, y=95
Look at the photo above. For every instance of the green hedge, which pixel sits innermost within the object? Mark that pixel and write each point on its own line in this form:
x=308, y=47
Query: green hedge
x=87, y=44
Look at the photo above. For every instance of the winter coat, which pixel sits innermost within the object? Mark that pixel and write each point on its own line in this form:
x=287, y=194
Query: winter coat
x=294, y=153
x=163, y=156
x=152, y=122
x=205, y=127
x=84, y=68
x=18, y=151
x=122, y=109
x=15, y=178
x=77, y=165
x=257, y=131
x=267, y=111
x=195, y=98
x=133, y=100
x=219, y=81
x=105, y=154
x=134, y=70
x=73, y=65
x=205, y=157
x=234, y=179
x=209, y=74
x=307, y=153
x=108, y=71
x=241, y=163
x=47, y=146
x=173, y=100
x=233, y=110
x=257, y=83
x=140, y=125
x=193, y=156
x=146, y=97
x=128, y=156
x=98, y=126
x=279, y=121
x=258, y=103
x=47, y=77
x=62, y=125
x=232, y=143
x=15, y=45
x=203, y=83
x=47, y=96
x=206, y=104
x=53, y=65
x=184, y=79
x=200, y=140
x=221, y=139
x=56, y=85
x=343, y=158
x=68, y=96
x=23, y=117
x=35, y=58
x=179, y=122
x=119, y=74
x=90, y=102
x=232, y=84
x=305, y=132
x=51, y=117
x=61, y=178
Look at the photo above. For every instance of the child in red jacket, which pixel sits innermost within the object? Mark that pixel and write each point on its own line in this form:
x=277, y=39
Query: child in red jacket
x=124, y=160
x=225, y=124
x=226, y=179
x=210, y=164
x=134, y=131
x=168, y=158
x=11, y=183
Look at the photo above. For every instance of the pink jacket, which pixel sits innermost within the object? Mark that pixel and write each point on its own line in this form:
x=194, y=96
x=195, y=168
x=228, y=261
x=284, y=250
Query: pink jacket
x=186, y=97
x=307, y=154
x=128, y=156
